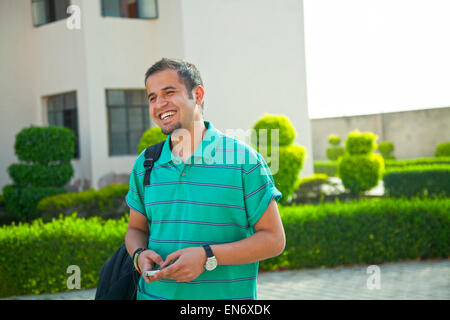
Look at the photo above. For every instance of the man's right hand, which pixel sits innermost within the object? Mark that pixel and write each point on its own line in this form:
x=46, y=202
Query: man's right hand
x=146, y=261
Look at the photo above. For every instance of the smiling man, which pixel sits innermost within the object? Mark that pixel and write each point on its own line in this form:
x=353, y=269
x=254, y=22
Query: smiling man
x=205, y=225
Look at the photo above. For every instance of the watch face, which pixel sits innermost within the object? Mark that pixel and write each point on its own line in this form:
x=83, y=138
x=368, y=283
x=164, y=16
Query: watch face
x=211, y=264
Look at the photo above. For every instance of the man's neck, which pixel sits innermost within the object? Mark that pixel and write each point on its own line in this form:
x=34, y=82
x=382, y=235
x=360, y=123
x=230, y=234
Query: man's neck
x=184, y=142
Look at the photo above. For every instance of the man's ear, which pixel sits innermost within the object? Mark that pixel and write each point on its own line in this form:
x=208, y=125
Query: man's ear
x=199, y=94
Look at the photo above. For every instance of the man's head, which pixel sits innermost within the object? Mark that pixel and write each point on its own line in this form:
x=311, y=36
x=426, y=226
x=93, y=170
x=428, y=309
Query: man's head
x=174, y=85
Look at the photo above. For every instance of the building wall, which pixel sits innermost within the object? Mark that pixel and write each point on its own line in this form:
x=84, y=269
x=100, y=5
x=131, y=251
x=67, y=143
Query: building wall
x=251, y=63
x=415, y=133
x=118, y=53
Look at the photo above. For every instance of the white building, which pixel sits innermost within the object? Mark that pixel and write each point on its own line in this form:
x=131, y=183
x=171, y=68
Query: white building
x=250, y=54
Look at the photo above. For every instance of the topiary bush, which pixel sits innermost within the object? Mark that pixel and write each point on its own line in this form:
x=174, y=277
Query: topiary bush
x=386, y=149
x=46, y=153
x=151, y=137
x=359, y=168
x=285, y=156
x=442, y=150
x=335, y=151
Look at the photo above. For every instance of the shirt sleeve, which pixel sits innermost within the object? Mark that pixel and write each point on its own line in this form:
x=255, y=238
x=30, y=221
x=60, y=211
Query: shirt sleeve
x=259, y=188
x=135, y=195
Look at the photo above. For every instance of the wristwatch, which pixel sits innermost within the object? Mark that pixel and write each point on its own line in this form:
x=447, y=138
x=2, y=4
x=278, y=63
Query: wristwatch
x=135, y=257
x=211, y=261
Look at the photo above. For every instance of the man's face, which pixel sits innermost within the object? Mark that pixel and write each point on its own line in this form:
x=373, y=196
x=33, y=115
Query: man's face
x=169, y=102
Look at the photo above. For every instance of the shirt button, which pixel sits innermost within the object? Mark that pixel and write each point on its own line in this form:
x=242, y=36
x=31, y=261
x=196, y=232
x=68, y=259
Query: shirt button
x=183, y=174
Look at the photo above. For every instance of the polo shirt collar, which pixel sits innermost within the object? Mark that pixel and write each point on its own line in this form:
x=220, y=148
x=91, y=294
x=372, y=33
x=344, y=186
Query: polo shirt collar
x=209, y=141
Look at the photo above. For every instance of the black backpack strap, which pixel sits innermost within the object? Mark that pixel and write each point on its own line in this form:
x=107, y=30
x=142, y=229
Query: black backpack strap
x=151, y=155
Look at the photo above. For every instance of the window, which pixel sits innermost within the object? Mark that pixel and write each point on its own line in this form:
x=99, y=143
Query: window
x=46, y=11
x=144, y=9
x=128, y=118
x=62, y=112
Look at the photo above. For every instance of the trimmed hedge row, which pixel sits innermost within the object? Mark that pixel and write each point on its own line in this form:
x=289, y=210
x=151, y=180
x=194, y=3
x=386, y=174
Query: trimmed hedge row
x=34, y=257
x=107, y=203
x=429, y=181
x=330, y=167
x=326, y=235
x=363, y=232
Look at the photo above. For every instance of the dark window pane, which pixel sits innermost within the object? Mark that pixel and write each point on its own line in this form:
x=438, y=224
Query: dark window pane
x=116, y=97
x=119, y=144
x=118, y=120
x=147, y=9
x=136, y=97
x=111, y=8
x=62, y=111
x=41, y=12
x=135, y=137
x=60, y=9
x=135, y=121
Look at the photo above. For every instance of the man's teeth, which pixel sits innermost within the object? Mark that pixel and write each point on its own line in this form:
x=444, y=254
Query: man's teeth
x=167, y=114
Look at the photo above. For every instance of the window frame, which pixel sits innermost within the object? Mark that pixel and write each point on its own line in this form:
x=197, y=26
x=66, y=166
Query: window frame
x=74, y=116
x=146, y=121
x=51, y=14
x=126, y=17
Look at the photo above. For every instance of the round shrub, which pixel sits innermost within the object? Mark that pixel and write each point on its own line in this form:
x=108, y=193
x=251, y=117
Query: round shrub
x=443, y=150
x=334, y=140
x=386, y=148
x=39, y=175
x=360, y=173
x=358, y=143
x=45, y=144
x=334, y=153
x=151, y=137
x=286, y=132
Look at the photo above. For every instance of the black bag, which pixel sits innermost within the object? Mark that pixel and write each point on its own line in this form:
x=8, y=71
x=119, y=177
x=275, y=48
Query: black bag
x=118, y=278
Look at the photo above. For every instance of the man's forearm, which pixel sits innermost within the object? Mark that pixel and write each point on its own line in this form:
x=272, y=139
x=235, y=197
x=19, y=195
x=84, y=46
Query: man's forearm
x=135, y=239
x=259, y=246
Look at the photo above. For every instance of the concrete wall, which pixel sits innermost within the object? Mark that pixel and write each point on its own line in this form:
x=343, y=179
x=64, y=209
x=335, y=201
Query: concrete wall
x=415, y=133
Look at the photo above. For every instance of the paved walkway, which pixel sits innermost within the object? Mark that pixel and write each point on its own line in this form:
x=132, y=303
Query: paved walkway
x=414, y=280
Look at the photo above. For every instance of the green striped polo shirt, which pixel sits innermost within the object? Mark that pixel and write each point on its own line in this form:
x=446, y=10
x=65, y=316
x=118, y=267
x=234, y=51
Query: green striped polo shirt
x=215, y=197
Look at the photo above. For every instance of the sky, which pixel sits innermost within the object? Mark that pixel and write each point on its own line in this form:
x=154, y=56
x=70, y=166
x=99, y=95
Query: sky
x=374, y=56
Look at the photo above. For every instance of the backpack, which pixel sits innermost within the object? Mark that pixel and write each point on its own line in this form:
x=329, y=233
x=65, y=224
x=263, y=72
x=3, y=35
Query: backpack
x=118, y=278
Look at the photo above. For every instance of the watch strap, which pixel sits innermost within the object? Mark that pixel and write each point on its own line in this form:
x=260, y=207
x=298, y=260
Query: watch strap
x=209, y=252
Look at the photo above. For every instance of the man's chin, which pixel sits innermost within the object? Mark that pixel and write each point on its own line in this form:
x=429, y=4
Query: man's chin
x=168, y=130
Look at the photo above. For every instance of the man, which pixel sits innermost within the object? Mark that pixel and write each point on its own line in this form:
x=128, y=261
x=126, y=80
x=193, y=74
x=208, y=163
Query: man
x=204, y=222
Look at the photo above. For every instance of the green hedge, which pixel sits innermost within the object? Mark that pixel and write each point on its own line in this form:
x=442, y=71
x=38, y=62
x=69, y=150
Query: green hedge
x=21, y=202
x=34, y=257
x=365, y=232
x=38, y=175
x=330, y=167
x=428, y=181
x=108, y=203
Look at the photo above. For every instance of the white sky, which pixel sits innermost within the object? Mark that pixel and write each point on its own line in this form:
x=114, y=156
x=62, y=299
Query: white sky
x=371, y=56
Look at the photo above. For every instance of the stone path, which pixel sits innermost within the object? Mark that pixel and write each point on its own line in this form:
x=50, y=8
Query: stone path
x=413, y=280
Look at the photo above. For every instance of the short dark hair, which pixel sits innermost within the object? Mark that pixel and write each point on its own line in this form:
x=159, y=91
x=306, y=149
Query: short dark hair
x=187, y=72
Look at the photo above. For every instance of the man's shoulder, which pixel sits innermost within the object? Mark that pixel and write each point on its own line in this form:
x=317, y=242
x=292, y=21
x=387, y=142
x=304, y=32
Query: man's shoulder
x=236, y=144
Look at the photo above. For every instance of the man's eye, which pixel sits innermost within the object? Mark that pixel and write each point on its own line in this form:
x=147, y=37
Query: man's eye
x=170, y=92
x=152, y=99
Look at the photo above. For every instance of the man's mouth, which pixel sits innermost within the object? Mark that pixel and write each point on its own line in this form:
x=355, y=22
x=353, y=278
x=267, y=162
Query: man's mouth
x=167, y=116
